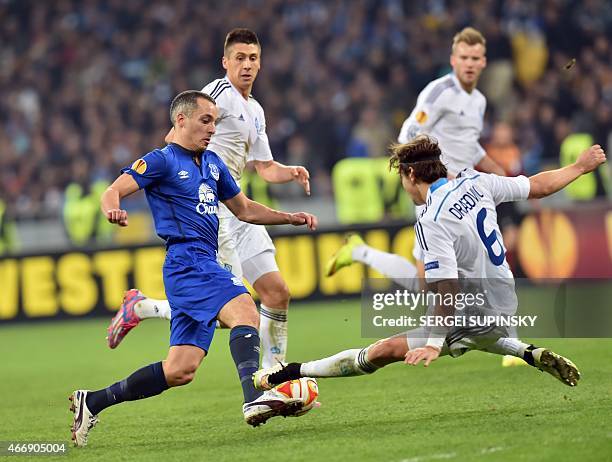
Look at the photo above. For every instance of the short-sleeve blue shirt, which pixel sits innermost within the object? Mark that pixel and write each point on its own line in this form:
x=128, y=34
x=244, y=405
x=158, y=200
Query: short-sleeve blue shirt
x=183, y=196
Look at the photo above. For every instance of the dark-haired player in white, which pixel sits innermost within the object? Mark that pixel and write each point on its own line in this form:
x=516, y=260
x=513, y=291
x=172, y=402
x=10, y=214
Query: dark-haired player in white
x=451, y=109
x=461, y=240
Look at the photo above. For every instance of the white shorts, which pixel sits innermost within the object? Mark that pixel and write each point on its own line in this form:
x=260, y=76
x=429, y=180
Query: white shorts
x=245, y=249
x=461, y=339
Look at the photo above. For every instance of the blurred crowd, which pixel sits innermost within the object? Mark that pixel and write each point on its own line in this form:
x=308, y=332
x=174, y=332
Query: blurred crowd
x=85, y=84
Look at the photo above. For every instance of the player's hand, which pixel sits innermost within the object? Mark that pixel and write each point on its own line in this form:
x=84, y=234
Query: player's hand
x=117, y=216
x=427, y=354
x=301, y=176
x=591, y=158
x=303, y=218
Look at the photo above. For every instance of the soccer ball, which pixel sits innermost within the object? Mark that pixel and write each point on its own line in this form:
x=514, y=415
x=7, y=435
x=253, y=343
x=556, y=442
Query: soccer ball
x=305, y=388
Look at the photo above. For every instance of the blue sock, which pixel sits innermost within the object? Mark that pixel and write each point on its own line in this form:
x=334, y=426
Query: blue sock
x=144, y=383
x=244, y=345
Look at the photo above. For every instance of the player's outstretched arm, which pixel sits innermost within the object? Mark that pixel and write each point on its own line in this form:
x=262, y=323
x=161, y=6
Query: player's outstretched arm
x=547, y=183
x=253, y=212
x=110, y=202
x=275, y=172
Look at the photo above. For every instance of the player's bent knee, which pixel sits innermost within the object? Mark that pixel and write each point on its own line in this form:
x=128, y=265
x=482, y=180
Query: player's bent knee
x=240, y=311
x=390, y=349
x=180, y=370
x=248, y=314
x=187, y=377
x=180, y=376
x=250, y=318
x=180, y=380
x=274, y=292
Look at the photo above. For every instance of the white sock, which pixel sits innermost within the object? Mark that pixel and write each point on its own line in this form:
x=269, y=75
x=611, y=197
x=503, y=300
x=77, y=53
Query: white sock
x=347, y=363
x=508, y=346
x=388, y=264
x=151, y=308
x=273, y=335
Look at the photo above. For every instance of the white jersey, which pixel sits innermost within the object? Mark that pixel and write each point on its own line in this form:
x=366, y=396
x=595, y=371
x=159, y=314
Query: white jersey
x=459, y=235
x=458, y=230
x=454, y=117
x=460, y=238
x=241, y=128
x=240, y=137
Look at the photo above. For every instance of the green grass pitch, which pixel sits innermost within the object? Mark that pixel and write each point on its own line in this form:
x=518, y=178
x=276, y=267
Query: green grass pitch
x=466, y=409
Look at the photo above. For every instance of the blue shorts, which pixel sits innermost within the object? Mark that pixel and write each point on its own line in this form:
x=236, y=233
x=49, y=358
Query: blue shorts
x=197, y=288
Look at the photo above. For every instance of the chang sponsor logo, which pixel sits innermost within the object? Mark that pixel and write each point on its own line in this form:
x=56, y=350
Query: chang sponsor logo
x=208, y=201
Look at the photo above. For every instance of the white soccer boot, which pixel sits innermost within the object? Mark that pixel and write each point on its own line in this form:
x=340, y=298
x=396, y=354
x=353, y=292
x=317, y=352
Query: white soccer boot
x=260, y=378
x=83, y=420
x=556, y=365
x=270, y=404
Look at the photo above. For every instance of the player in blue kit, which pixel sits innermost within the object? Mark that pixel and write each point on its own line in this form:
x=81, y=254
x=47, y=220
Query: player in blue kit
x=184, y=184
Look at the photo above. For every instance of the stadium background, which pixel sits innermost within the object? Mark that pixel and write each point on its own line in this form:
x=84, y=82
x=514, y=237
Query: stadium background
x=84, y=90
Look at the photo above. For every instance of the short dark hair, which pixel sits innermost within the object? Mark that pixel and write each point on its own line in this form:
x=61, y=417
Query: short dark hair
x=240, y=36
x=186, y=102
x=422, y=155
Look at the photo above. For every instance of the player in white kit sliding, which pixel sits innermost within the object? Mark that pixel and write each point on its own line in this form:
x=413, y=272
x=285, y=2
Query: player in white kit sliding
x=245, y=249
x=451, y=109
x=460, y=239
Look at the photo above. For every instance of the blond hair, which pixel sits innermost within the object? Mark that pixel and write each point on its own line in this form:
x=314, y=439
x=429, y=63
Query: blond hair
x=470, y=36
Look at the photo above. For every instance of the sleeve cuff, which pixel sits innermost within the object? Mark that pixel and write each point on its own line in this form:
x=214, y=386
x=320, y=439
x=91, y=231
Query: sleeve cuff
x=137, y=178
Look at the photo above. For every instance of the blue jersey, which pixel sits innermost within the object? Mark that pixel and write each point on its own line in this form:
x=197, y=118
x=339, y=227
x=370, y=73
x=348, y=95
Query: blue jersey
x=183, y=196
